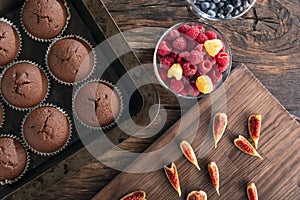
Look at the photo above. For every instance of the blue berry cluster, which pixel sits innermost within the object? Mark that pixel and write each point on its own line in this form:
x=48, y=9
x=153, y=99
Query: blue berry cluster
x=222, y=8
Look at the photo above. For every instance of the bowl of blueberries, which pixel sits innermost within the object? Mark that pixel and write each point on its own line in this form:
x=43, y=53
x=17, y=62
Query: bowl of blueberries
x=218, y=10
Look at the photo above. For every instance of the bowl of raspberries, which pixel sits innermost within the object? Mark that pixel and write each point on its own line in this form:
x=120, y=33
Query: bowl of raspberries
x=192, y=59
x=217, y=10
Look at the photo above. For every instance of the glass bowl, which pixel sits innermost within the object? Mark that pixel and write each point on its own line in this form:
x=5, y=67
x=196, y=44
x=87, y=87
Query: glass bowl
x=221, y=10
x=178, y=66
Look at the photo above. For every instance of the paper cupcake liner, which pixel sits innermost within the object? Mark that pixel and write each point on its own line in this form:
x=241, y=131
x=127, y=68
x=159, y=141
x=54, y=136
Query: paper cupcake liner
x=77, y=37
x=120, y=110
x=20, y=37
x=60, y=149
x=5, y=182
x=3, y=118
x=47, y=77
x=47, y=40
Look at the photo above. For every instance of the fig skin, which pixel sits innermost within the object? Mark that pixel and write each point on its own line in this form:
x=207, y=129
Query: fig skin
x=219, y=125
x=189, y=153
x=252, y=192
x=244, y=145
x=135, y=195
x=197, y=195
x=254, y=127
x=172, y=175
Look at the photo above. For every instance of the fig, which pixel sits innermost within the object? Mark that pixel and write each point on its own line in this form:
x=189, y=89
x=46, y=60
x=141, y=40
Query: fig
x=244, y=145
x=214, y=175
x=189, y=153
x=197, y=195
x=172, y=175
x=254, y=126
x=252, y=192
x=135, y=195
x=219, y=126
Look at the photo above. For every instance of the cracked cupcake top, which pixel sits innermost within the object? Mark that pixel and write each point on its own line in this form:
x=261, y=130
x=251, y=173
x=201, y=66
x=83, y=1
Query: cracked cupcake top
x=70, y=60
x=9, y=43
x=97, y=104
x=44, y=19
x=46, y=129
x=13, y=158
x=24, y=85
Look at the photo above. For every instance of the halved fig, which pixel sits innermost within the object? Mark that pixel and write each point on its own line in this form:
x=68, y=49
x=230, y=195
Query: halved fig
x=254, y=127
x=244, y=145
x=189, y=153
x=197, y=195
x=214, y=175
x=135, y=195
x=172, y=175
x=219, y=126
x=252, y=192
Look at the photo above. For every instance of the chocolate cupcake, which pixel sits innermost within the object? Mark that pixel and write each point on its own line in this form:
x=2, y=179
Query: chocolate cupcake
x=70, y=59
x=10, y=42
x=97, y=104
x=14, y=159
x=46, y=130
x=24, y=85
x=43, y=19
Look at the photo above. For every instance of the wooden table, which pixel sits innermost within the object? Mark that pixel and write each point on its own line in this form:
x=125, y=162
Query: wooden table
x=266, y=40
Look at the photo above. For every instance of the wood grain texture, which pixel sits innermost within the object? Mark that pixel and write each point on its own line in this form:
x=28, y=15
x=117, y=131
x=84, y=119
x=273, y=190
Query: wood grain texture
x=276, y=176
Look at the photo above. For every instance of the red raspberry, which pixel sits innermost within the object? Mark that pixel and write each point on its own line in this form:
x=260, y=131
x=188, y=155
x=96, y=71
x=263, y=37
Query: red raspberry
x=200, y=48
x=176, y=86
x=191, y=45
x=201, y=29
x=195, y=57
x=223, y=58
x=174, y=55
x=172, y=35
x=183, y=93
x=192, y=33
x=182, y=57
x=192, y=90
x=167, y=62
x=211, y=35
x=188, y=69
x=215, y=76
x=205, y=66
x=183, y=28
x=201, y=38
x=163, y=74
x=222, y=68
x=164, y=48
x=179, y=43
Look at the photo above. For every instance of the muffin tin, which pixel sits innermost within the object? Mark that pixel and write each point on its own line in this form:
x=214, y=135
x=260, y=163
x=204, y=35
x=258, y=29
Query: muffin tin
x=95, y=25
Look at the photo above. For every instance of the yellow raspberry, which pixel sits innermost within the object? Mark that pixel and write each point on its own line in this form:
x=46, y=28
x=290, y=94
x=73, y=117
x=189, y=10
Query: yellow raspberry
x=175, y=71
x=213, y=47
x=204, y=84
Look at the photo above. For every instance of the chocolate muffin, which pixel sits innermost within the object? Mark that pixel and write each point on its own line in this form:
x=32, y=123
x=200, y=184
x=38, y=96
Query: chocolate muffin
x=70, y=59
x=46, y=129
x=9, y=43
x=44, y=19
x=24, y=85
x=97, y=104
x=13, y=159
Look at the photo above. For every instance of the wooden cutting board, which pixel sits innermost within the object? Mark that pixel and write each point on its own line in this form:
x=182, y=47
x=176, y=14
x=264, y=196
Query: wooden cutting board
x=277, y=177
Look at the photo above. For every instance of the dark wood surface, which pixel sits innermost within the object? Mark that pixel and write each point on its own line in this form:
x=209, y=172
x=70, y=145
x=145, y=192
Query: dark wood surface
x=279, y=131
x=266, y=39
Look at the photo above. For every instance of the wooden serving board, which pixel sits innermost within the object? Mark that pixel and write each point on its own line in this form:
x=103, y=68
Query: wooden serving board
x=277, y=176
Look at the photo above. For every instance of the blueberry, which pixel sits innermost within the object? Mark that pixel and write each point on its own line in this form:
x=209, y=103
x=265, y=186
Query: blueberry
x=216, y=1
x=212, y=5
x=246, y=4
x=211, y=13
x=237, y=3
x=221, y=11
x=228, y=16
x=241, y=8
x=205, y=5
x=220, y=5
x=220, y=15
x=235, y=12
x=229, y=8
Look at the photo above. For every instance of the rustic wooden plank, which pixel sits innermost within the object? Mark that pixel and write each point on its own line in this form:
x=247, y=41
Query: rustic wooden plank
x=278, y=145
